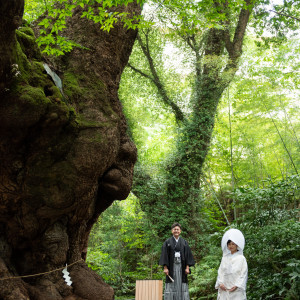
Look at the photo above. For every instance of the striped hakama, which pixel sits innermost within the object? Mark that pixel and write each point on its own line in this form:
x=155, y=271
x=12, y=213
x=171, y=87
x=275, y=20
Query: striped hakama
x=177, y=290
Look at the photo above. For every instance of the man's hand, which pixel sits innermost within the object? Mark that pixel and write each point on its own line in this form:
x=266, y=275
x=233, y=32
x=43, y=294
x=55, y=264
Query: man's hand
x=166, y=271
x=187, y=270
x=223, y=287
x=233, y=289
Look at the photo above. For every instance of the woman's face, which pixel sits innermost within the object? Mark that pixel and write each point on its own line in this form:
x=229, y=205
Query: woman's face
x=232, y=247
x=176, y=231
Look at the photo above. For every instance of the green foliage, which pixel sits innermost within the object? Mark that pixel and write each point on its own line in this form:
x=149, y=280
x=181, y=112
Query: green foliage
x=273, y=259
x=153, y=119
x=263, y=101
x=122, y=247
x=268, y=217
x=187, y=17
x=53, y=15
x=264, y=129
x=34, y=8
x=172, y=158
x=104, y=265
x=272, y=245
x=275, y=203
x=203, y=277
x=276, y=17
x=107, y=18
x=269, y=220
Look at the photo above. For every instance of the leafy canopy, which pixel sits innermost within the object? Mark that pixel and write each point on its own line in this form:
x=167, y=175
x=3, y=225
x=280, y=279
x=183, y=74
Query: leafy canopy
x=185, y=16
x=53, y=14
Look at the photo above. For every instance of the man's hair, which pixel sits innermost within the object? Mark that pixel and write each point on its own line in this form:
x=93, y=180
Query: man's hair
x=175, y=224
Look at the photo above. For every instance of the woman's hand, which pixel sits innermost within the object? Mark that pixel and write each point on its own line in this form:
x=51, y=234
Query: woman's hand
x=166, y=271
x=187, y=270
x=233, y=289
x=223, y=287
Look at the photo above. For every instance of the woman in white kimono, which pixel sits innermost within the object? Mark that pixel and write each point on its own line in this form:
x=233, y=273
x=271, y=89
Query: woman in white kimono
x=233, y=270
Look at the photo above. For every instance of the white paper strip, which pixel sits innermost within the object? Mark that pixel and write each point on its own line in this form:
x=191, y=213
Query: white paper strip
x=66, y=276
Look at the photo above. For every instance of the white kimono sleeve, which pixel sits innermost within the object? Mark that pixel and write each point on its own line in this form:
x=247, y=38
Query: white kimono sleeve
x=241, y=280
x=220, y=275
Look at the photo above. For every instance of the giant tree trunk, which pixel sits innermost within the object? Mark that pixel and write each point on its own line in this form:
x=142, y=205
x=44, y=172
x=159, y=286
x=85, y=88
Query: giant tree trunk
x=64, y=158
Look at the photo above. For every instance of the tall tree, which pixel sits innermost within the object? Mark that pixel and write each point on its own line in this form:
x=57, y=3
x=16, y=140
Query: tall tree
x=65, y=155
x=215, y=55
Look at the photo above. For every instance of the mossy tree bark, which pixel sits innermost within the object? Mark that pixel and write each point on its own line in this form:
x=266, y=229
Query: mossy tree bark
x=64, y=157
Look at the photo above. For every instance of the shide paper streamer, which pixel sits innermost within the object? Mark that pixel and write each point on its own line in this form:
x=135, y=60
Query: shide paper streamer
x=66, y=276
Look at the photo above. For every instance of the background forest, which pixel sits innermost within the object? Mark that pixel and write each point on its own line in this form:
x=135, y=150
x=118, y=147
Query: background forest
x=217, y=131
x=249, y=179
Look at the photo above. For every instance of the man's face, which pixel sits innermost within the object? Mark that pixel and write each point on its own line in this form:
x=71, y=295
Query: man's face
x=176, y=231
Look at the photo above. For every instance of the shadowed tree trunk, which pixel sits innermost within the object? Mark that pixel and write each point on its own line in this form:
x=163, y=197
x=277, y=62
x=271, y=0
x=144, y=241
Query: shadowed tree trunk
x=64, y=157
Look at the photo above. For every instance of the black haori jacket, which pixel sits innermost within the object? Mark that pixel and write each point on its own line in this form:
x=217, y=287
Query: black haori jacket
x=168, y=253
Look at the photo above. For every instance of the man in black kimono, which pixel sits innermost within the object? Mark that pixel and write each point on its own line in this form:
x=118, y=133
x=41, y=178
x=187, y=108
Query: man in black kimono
x=176, y=258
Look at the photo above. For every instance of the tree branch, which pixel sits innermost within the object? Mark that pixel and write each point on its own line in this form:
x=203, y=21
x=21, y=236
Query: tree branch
x=278, y=13
x=156, y=80
x=240, y=33
x=141, y=72
x=227, y=40
x=234, y=48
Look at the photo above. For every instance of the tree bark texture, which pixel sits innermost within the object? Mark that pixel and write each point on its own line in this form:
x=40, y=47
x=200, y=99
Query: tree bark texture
x=65, y=157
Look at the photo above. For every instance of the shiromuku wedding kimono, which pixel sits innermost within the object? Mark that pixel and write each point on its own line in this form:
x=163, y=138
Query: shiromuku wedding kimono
x=233, y=270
